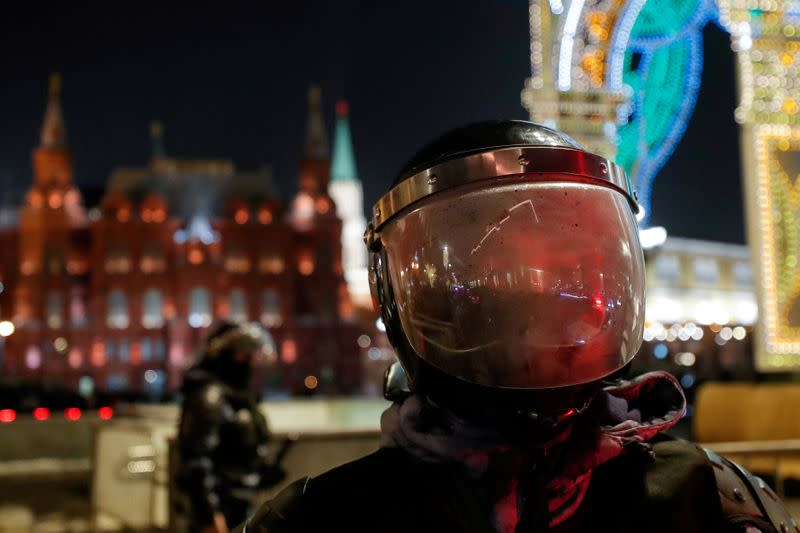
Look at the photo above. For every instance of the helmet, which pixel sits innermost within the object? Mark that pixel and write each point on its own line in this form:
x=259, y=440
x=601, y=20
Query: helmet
x=506, y=266
x=232, y=349
x=247, y=337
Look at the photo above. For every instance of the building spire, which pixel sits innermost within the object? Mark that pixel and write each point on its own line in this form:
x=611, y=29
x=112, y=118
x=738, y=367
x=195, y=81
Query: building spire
x=316, y=140
x=157, y=138
x=54, y=133
x=343, y=166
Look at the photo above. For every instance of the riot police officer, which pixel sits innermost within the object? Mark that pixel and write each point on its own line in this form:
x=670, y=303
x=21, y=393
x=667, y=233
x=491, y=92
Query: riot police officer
x=223, y=437
x=507, y=269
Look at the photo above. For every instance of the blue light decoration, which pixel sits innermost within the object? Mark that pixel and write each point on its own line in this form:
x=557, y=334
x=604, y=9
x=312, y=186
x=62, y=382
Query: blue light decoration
x=657, y=54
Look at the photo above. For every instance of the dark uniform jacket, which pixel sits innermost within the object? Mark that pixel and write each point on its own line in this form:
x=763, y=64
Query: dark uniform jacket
x=222, y=444
x=612, y=470
x=680, y=488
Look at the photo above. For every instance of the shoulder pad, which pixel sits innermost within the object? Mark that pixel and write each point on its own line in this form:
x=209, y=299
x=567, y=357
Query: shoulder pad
x=280, y=514
x=742, y=494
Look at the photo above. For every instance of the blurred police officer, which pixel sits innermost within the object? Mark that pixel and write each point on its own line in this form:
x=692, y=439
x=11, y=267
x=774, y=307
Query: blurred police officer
x=223, y=436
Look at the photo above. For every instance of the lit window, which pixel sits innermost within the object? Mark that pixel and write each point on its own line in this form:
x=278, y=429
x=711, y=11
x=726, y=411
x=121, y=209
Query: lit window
x=743, y=273
x=98, y=353
x=136, y=353
x=117, y=259
x=86, y=386
x=271, y=262
x=146, y=348
x=322, y=205
x=54, y=260
x=345, y=305
x=152, y=309
x=236, y=260
x=159, y=350
x=117, y=310
x=77, y=265
x=199, y=308
x=153, y=259
x=54, y=310
x=305, y=262
x=264, y=215
x=289, y=351
x=238, y=306
x=124, y=353
x=706, y=270
x=668, y=267
x=196, y=256
x=271, y=308
x=109, y=350
x=75, y=357
x=33, y=357
x=77, y=307
x=241, y=216
x=117, y=382
x=54, y=200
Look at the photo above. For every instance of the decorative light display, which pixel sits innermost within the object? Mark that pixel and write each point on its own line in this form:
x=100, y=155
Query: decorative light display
x=622, y=77
x=777, y=195
x=766, y=37
x=625, y=75
x=662, y=64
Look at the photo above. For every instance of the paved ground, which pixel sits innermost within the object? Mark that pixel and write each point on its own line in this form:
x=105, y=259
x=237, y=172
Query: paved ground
x=45, y=504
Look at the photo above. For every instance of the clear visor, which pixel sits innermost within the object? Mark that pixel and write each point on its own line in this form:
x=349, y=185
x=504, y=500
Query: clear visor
x=520, y=285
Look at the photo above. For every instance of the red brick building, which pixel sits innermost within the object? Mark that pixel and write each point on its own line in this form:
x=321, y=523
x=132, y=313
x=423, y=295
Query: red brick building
x=120, y=298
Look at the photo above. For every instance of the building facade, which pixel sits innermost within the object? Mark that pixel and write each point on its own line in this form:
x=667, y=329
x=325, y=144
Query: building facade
x=120, y=298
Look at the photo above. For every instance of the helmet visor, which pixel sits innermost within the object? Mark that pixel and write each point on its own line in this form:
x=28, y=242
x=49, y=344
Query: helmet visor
x=521, y=284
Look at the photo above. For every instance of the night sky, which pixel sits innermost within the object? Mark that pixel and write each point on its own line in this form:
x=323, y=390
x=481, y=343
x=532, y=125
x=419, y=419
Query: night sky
x=230, y=81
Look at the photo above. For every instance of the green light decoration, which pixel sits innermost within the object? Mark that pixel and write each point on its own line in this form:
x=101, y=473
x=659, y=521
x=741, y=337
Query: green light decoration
x=663, y=63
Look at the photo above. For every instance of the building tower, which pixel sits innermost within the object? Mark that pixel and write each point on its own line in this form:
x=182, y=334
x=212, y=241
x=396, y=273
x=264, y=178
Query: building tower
x=345, y=189
x=53, y=251
x=315, y=164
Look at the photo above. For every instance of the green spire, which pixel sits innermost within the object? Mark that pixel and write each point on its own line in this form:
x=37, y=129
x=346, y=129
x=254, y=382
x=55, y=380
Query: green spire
x=343, y=166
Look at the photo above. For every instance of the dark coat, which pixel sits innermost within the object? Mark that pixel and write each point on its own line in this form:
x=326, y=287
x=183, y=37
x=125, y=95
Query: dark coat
x=679, y=488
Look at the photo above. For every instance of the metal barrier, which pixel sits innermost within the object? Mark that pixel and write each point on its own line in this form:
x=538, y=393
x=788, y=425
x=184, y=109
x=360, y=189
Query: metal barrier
x=133, y=460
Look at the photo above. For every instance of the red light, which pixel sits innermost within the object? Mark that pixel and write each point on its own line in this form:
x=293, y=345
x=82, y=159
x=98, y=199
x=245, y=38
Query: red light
x=105, y=413
x=41, y=413
x=7, y=415
x=72, y=413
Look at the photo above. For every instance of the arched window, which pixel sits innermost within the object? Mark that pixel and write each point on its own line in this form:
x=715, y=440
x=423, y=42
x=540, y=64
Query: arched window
x=153, y=260
x=238, y=306
x=124, y=352
x=199, y=308
x=146, y=346
x=33, y=357
x=159, y=350
x=117, y=310
x=77, y=307
x=236, y=259
x=118, y=259
x=54, y=260
x=271, y=308
x=152, y=309
x=305, y=262
x=54, y=310
x=270, y=261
